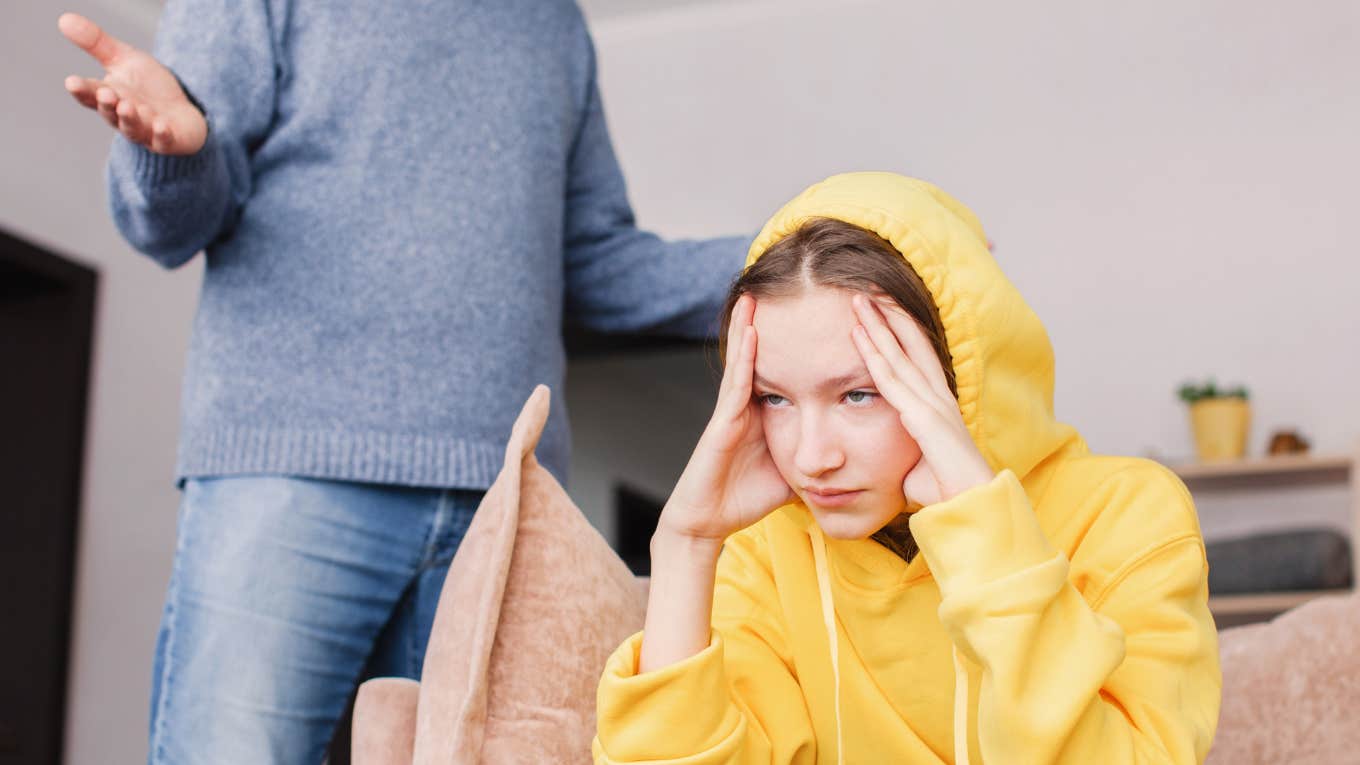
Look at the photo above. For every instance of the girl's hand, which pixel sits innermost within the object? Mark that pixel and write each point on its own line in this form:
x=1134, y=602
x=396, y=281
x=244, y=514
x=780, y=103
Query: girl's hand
x=138, y=96
x=908, y=374
x=731, y=481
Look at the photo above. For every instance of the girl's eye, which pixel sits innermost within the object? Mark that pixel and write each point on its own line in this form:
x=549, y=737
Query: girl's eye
x=860, y=396
x=770, y=399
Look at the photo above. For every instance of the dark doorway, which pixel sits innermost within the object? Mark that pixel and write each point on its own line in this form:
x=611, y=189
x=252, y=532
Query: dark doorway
x=46, y=327
x=635, y=516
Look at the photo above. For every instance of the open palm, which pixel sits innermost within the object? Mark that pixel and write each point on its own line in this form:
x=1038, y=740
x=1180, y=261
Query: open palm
x=138, y=96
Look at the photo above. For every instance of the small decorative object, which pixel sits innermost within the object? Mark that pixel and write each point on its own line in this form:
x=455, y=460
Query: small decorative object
x=1287, y=442
x=1220, y=419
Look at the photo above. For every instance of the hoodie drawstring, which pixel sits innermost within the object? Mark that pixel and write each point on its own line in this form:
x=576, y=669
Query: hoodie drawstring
x=960, y=709
x=829, y=621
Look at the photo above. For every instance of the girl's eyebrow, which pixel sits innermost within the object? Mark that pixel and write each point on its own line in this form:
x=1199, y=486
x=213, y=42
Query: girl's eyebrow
x=837, y=384
x=833, y=384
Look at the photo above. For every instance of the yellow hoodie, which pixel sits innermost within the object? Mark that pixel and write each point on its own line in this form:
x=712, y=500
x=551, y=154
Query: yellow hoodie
x=1056, y=614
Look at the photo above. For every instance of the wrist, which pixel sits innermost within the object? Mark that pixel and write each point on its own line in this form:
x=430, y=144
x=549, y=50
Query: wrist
x=978, y=474
x=189, y=96
x=675, y=545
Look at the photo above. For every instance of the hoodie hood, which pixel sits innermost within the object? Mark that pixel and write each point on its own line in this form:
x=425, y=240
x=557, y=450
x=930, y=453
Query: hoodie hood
x=1002, y=357
x=1003, y=360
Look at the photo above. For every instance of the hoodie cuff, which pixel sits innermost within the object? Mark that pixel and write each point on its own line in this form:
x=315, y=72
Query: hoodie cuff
x=982, y=535
x=678, y=711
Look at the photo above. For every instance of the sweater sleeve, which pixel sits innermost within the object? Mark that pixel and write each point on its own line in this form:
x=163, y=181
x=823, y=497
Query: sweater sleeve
x=1131, y=676
x=224, y=53
x=736, y=702
x=621, y=278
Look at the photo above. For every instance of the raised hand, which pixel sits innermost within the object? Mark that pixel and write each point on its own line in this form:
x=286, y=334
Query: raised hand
x=138, y=96
x=908, y=374
x=731, y=481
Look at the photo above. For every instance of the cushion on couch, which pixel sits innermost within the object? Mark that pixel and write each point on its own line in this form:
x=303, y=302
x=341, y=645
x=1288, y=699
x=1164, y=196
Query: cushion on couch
x=534, y=603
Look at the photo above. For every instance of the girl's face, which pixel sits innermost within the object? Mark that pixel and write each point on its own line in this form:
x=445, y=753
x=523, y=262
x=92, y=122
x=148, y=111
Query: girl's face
x=837, y=443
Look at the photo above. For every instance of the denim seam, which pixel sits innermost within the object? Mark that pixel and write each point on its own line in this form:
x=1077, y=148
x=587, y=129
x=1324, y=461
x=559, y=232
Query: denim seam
x=465, y=504
x=158, y=736
x=441, y=519
x=427, y=555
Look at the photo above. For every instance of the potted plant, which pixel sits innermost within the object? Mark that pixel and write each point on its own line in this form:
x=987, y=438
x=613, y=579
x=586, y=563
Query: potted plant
x=1220, y=419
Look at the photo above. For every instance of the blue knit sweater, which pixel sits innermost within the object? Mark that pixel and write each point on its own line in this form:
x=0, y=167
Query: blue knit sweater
x=399, y=204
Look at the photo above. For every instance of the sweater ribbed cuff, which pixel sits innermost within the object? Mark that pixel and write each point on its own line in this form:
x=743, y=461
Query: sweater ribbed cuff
x=151, y=168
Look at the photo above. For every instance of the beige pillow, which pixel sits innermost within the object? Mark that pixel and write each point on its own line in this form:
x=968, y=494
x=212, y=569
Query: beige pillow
x=384, y=728
x=534, y=603
x=1291, y=687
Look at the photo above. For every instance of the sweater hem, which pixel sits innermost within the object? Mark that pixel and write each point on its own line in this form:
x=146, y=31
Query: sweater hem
x=365, y=457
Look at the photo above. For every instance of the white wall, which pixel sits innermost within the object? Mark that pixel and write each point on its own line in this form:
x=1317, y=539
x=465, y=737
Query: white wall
x=53, y=194
x=1166, y=182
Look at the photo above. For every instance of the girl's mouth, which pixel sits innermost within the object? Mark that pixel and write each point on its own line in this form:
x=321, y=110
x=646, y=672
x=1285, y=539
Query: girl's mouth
x=831, y=497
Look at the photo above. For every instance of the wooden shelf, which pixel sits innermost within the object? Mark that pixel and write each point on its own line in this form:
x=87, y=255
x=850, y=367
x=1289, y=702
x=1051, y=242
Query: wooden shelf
x=1264, y=602
x=1284, y=470
x=1270, y=474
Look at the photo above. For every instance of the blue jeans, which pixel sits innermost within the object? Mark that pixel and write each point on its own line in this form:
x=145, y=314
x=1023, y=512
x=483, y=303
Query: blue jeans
x=283, y=591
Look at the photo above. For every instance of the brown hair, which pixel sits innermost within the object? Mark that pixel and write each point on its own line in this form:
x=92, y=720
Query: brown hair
x=826, y=252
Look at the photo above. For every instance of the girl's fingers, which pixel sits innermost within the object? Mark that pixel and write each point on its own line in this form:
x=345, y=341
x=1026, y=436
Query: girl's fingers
x=746, y=367
x=890, y=348
x=735, y=323
x=739, y=320
x=908, y=404
x=738, y=394
x=919, y=349
x=942, y=445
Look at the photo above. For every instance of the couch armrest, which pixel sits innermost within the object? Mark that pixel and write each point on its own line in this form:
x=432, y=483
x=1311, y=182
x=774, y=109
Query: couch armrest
x=1291, y=687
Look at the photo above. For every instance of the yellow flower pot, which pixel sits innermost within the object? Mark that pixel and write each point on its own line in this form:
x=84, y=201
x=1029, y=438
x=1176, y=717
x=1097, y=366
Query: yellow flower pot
x=1220, y=426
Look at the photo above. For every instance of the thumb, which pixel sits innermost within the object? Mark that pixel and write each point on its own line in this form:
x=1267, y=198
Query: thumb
x=87, y=35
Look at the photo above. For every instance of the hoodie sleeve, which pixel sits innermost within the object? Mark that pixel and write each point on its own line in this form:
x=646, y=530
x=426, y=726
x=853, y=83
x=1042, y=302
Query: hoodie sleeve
x=1131, y=676
x=735, y=702
x=620, y=278
x=171, y=207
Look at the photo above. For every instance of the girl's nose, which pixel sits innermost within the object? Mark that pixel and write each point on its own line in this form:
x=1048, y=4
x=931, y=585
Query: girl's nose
x=819, y=451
